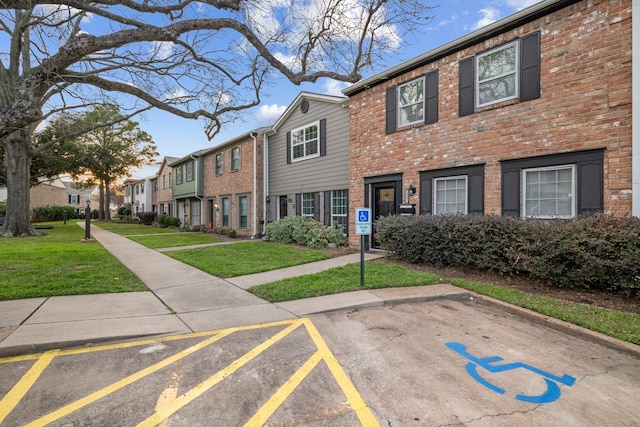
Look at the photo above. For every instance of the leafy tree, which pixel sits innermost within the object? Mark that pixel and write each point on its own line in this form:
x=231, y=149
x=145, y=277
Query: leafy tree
x=206, y=59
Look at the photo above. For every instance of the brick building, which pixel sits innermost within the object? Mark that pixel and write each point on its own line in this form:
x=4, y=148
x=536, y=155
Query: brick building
x=233, y=184
x=530, y=116
x=164, y=196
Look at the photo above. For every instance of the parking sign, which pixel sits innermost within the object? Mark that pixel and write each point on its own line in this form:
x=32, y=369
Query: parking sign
x=363, y=221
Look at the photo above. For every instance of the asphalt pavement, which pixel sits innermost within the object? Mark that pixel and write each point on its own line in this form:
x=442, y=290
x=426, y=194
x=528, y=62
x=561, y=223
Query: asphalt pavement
x=182, y=299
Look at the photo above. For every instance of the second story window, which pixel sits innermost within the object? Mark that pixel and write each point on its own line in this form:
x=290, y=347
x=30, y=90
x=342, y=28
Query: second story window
x=305, y=142
x=179, y=175
x=170, y=182
x=235, y=158
x=497, y=78
x=411, y=102
x=219, y=164
x=190, y=171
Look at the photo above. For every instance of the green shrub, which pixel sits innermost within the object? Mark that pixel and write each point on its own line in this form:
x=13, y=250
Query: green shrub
x=146, y=218
x=3, y=210
x=305, y=231
x=54, y=213
x=164, y=221
x=599, y=251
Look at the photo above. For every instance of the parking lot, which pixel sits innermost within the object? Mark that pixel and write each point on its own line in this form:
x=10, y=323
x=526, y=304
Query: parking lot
x=451, y=361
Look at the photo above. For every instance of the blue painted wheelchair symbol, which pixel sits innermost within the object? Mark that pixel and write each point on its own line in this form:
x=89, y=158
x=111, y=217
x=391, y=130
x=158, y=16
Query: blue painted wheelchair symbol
x=551, y=394
x=363, y=216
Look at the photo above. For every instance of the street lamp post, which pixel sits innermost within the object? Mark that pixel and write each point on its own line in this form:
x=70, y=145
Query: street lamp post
x=87, y=222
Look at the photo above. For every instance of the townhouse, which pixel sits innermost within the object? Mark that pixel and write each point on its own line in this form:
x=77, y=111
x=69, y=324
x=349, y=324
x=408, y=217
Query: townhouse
x=530, y=116
x=233, y=184
x=187, y=188
x=308, y=160
x=164, y=198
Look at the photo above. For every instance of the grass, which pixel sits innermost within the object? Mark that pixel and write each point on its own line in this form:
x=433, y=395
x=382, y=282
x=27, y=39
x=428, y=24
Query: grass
x=244, y=258
x=126, y=230
x=58, y=263
x=343, y=279
x=156, y=241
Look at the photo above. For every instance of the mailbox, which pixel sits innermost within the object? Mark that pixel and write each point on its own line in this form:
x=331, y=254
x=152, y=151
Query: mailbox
x=407, y=209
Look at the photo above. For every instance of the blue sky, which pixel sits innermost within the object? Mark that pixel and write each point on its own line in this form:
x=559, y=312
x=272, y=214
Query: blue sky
x=178, y=137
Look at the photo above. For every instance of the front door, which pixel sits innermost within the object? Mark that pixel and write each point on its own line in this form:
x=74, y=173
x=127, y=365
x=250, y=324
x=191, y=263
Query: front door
x=384, y=204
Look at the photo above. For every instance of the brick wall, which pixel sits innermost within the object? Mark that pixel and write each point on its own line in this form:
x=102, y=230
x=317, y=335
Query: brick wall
x=585, y=103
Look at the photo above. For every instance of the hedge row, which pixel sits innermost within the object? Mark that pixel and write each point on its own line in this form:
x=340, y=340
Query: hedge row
x=55, y=213
x=305, y=231
x=600, y=252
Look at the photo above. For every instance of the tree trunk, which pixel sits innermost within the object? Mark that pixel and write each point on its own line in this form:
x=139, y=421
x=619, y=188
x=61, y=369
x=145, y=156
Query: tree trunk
x=107, y=201
x=101, y=204
x=17, y=158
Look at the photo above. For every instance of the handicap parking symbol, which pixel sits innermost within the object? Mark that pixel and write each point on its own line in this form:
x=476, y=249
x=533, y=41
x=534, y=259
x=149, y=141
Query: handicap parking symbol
x=489, y=363
x=363, y=215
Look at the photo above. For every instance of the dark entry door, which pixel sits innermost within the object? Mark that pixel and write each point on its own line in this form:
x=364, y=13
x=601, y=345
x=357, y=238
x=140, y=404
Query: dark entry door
x=283, y=206
x=384, y=204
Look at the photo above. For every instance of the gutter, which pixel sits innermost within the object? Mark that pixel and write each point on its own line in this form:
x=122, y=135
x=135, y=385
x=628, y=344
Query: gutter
x=635, y=112
x=253, y=135
x=195, y=193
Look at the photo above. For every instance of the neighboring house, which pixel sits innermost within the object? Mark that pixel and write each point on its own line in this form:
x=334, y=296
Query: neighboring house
x=308, y=160
x=154, y=194
x=166, y=203
x=138, y=194
x=233, y=184
x=529, y=116
x=187, y=188
x=75, y=195
x=49, y=193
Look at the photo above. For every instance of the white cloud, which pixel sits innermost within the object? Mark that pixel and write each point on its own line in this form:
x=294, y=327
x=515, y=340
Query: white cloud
x=268, y=114
x=161, y=50
x=521, y=4
x=334, y=87
x=489, y=15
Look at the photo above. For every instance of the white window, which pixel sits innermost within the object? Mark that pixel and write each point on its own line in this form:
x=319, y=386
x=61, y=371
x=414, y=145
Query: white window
x=219, y=164
x=548, y=192
x=235, y=158
x=74, y=199
x=339, y=202
x=411, y=102
x=497, y=75
x=243, y=212
x=190, y=171
x=308, y=204
x=305, y=142
x=450, y=195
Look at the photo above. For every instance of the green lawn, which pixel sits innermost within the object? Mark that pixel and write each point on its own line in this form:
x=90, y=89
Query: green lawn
x=156, y=241
x=59, y=263
x=244, y=258
x=124, y=229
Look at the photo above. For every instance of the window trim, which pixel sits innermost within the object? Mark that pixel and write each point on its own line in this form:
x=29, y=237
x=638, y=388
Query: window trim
x=574, y=200
x=189, y=171
x=304, y=143
x=218, y=169
x=225, y=200
x=312, y=198
x=450, y=178
x=178, y=175
x=333, y=205
x=231, y=159
x=516, y=72
x=246, y=197
x=423, y=102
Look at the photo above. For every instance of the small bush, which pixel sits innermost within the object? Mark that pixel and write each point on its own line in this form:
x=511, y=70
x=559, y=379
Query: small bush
x=226, y=231
x=124, y=211
x=54, y=213
x=164, y=221
x=599, y=251
x=3, y=210
x=305, y=231
x=147, y=218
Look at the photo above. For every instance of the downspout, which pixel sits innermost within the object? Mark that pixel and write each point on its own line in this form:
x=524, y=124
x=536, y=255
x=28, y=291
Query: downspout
x=195, y=192
x=252, y=134
x=635, y=112
x=265, y=179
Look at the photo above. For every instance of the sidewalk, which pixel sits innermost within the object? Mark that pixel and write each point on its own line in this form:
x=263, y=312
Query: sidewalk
x=182, y=299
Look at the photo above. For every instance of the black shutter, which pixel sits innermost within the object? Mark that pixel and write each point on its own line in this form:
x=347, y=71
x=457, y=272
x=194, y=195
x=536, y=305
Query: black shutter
x=316, y=206
x=288, y=147
x=510, y=191
x=70, y=199
x=298, y=204
x=590, y=187
x=530, y=67
x=390, y=110
x=426, y=195
x=466, y=84
x=327, y=208
x=476, y=192
x=431, y=115
x=323, y=137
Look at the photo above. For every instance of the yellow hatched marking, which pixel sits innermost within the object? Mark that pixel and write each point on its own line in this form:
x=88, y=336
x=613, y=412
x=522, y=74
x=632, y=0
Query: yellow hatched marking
x=270, y=407
x=170, y=409
x=66, y=410
x=15, y=395
x=356, y=401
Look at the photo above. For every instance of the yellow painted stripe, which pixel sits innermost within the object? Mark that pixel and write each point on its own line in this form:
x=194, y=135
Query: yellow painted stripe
x=143, y=342
x=15, y=395
x=274, y=402
x=203, y=387
x=66, y=410
x=356, y=401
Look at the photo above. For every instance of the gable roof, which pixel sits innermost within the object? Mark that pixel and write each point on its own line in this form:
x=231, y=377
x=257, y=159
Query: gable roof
x=515, y=20
x=298, y=100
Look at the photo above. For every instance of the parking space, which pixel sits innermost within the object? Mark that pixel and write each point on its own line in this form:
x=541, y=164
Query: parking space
x=449, y=361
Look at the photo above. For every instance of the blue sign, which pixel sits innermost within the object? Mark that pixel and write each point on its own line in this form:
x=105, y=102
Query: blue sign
x=363, y=221
x=489, y=363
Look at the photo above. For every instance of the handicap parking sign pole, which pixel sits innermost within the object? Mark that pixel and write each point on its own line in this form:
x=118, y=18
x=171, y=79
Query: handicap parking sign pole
x=362, y=259
x=363, y=228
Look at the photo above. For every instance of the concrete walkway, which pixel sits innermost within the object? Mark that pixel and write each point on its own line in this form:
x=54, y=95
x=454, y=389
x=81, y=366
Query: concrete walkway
x=182, y=299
